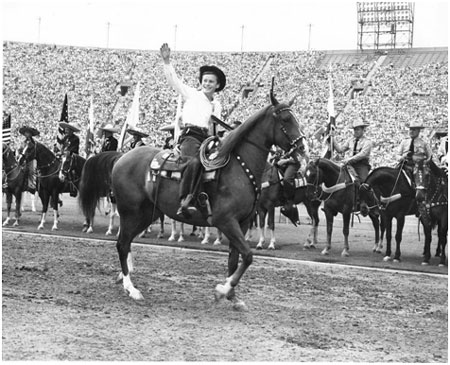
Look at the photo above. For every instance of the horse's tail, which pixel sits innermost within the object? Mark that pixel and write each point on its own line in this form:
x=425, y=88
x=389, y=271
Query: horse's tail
x=96, y=180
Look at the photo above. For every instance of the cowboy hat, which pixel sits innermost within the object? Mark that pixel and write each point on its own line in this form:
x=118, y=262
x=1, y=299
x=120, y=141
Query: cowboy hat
x=167, y=128
x=74, y=126
x=415, y=124
x=109, y=128
x=135, y=131
x=215, y=71
x=360, y=123
x=33, y=131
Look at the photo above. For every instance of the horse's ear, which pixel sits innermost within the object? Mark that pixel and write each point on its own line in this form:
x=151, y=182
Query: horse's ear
x=273, y=100
x=291, y=102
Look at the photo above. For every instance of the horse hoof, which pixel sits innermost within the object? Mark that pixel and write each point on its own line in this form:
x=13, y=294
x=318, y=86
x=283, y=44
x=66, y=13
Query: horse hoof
x=54, y=228
x=181, y=239
x=84, y=230
x=204, y=241
x=40, y=227
x=135, y=294
x=160, y=235
x=325, y=252
x=240, y=306
x=425, y=263
x=386, y=258
x=345, y=253
x=271, y=247
x=217, y=243
x=171, y=238
x=108, y=233
x=441, y=265
x=259, y=246
x=90, y=230
x=396, y=261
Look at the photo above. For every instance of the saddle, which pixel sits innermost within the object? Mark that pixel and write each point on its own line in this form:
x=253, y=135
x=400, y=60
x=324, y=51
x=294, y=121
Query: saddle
x=170, y=164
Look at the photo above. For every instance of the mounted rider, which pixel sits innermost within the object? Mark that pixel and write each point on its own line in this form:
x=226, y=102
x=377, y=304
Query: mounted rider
x=137, y=134
x=199, y=106
x=110, y=143
x=412, y=151
x=360, y=147
x=70, y=142
x=30, y=167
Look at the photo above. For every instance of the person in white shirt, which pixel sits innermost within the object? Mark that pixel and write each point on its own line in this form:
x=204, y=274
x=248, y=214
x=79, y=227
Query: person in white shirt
x=198, y=107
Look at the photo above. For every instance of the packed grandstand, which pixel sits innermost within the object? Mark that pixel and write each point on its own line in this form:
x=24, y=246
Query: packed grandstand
x=388, y=89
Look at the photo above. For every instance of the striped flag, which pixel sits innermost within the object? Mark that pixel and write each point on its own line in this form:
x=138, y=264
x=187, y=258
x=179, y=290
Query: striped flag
x=64, y=118
x=6, y=130
x=132, y=117
x=90, y=142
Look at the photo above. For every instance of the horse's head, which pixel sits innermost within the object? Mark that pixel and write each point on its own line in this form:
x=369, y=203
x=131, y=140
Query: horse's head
x=313, y=177
x=66, y=165
x=367, y=199
x=287, y=133
x=29, y=152
x=421, y=179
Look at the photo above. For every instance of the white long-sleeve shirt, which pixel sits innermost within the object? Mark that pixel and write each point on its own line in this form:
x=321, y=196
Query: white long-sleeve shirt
x=197, y=108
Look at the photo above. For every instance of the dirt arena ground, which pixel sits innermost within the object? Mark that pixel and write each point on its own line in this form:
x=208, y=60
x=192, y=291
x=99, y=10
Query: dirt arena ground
x=60, y=300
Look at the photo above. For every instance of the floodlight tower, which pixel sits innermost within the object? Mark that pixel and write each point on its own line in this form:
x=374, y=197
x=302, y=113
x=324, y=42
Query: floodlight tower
x=385, y=25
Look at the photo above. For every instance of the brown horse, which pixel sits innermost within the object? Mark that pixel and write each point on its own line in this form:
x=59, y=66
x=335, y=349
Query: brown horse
x=272, y=197
x=333, y=184
x=15, y=183
x=232, y=194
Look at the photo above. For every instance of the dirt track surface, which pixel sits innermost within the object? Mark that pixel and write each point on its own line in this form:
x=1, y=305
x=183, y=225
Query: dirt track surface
x=61, y=302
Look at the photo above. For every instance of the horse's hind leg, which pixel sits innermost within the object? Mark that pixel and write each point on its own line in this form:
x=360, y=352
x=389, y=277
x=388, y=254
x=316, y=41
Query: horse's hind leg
x=346, y=232
x=271, y=226
x=442, y=243
x=132, y=222
x=376, y=227
x=398, y=237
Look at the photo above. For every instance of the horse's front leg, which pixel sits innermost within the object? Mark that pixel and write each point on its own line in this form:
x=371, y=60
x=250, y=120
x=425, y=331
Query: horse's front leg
x=398, y=237
x=261, y=220
x=330, y=220
x=218, y=240
x=8, y=208
x=388, y=226
x=238, y=246
x=427, y=244
x=271, y=226
x=161, y=227
x=55, y=199
x=206, y=237
x=376, y=226
x=112, y=215
x=45, y=198
x=313, y=212
x=442, y=234
x=346, y=232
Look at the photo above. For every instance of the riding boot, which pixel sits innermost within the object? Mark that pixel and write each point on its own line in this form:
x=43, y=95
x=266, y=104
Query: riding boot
x=189, y=185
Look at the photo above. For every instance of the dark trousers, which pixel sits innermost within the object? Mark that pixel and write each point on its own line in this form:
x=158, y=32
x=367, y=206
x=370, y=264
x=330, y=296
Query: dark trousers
x=192, y=174
x=289, y=180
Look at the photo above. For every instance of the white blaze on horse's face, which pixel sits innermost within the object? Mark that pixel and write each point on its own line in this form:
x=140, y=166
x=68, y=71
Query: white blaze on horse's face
x=61, y=171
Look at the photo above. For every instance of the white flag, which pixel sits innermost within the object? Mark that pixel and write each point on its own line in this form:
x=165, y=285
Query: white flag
x=132, y=117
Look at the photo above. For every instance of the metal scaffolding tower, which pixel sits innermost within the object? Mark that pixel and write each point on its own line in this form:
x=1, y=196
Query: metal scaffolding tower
x=385, y=25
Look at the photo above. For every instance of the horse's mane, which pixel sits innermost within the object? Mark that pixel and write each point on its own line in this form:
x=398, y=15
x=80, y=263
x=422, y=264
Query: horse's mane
x=236, y=135
x=435, y=170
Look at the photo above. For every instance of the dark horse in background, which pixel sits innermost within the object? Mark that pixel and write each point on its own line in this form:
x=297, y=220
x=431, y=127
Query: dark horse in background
x=14, y=182
x=334, y=185
x=272, y=197
x=432, y=194
x=95, y=182
x=49, y=184
x=232, y=194
x=390, y=189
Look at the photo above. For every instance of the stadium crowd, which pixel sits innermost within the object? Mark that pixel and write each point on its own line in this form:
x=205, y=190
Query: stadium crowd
x=37, y=76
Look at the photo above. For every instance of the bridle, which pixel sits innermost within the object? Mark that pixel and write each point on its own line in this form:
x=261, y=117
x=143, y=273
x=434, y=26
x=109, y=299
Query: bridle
x=33, y=155
x=292, y=141
x=369, y=190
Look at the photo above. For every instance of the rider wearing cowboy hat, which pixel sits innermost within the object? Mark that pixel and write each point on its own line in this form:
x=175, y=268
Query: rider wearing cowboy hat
x=70, y=142
x=137, y=134
x=110, y=143
x=198, y=107
x=30, y=168
x=414, y=148
x=360, y=147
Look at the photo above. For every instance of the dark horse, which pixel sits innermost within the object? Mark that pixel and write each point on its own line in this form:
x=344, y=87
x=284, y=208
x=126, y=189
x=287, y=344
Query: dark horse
x=70, y=172
x=15, y=183
x=432, y=193
x=232, y=195
x=391, y=190
x=272, y=197
x=96, y=183
x=49, y=184
x=334, y=185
